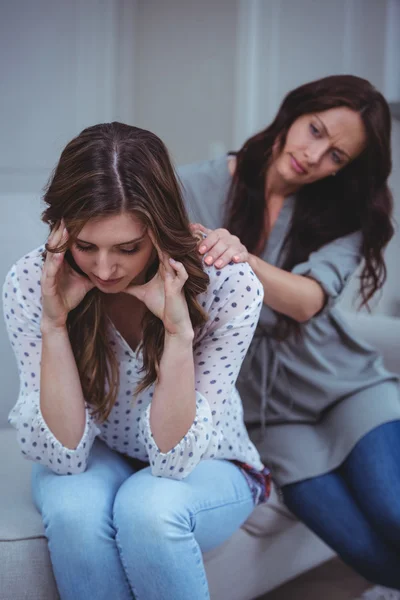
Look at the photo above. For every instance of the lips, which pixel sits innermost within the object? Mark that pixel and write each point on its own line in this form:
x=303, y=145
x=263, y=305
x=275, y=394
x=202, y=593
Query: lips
x=297, y=166
x=108, y=281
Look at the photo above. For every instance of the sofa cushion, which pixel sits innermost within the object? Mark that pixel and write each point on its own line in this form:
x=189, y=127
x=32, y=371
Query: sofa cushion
x=19, y=517
x=25, y=571
x=270, y=518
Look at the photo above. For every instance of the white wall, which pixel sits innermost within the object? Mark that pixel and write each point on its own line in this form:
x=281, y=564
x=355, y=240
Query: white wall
x=63, y=66
x=186, y=74
x=302, y=40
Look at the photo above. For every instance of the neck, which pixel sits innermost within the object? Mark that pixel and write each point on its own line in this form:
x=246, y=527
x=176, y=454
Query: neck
x=275, y=185
x=125, y=303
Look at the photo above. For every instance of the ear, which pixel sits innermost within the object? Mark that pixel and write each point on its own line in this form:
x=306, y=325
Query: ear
x=232, y=165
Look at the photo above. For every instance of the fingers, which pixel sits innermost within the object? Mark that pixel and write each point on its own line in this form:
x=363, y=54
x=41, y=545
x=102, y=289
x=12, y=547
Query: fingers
x=216, y=253
x=209, y=242
x=58, y=235
x=229, y=256
x=53, y=260
x=220, y=248
x=241, y=257
x=179, y=270
x=195, y=227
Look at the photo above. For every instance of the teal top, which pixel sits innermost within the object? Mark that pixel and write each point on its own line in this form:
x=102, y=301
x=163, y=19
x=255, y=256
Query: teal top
x=307, y=401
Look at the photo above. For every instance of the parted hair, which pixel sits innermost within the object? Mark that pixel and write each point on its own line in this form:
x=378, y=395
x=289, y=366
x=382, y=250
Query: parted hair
x=106, y=170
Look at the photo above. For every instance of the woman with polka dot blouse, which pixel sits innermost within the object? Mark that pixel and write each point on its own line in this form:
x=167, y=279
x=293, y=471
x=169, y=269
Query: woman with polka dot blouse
x=128, y=347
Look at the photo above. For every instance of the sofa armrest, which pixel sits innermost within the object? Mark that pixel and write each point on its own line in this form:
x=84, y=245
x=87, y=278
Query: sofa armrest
x=380, y=331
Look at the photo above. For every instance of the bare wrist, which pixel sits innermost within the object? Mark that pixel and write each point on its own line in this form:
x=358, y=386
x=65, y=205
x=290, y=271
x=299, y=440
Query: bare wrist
x=49, y=327
x=183, y=337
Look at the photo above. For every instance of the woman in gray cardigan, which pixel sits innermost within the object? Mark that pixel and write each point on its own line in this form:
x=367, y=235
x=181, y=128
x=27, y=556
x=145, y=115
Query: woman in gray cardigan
x=305, y=201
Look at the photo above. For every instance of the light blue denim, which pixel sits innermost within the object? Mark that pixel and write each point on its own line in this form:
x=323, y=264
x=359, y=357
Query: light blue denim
x=116, y=533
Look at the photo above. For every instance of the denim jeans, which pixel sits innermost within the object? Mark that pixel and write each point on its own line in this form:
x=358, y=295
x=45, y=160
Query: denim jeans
x=356, y=508
x=116, y=533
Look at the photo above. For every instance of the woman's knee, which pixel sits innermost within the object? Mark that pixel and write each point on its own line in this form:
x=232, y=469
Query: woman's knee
x=73, y=512
x=152, y=507
x=77, y=522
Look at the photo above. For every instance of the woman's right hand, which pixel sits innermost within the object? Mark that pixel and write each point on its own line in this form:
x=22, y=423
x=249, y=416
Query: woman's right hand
x=220, y=246
x=62, y=287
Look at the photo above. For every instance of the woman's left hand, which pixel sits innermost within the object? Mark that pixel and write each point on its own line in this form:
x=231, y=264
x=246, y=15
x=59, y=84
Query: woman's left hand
x=164, y=296
x=220, y=246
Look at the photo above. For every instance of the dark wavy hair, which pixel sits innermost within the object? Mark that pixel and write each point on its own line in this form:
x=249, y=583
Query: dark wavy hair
x=108, y=169
x=358, y=198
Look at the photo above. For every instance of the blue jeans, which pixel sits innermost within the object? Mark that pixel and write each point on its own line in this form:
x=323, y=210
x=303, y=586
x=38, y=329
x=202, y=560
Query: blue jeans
x=116, y=533
x=356, y=508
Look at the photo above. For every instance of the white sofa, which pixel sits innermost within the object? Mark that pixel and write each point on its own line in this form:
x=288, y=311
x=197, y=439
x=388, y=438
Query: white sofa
x=270, y=549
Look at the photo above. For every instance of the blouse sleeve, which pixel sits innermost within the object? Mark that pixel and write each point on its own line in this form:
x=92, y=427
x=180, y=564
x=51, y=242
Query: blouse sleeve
x=22, y=310
x=233, y=303
x=333, y=264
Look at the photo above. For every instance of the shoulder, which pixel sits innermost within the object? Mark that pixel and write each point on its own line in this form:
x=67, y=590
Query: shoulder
x=350, y=244
x=235, y=286
x=22, y=282
x=204, y=187
x=205, y=173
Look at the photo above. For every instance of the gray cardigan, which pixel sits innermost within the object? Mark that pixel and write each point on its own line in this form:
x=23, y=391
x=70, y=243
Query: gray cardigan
x=307, y=402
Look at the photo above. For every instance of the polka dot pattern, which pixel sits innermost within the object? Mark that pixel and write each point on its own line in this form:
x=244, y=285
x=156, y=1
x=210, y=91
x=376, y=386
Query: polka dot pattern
x=233, y=302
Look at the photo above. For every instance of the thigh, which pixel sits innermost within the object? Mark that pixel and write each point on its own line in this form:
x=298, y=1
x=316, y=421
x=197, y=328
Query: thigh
x=85, y=494
x=326, y=505
x=77, y=516
x=372, y=472
x=210, y=503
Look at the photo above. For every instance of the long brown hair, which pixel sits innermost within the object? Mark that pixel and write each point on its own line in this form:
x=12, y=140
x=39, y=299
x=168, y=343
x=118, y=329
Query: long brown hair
x=108, y=169
x=358, y=198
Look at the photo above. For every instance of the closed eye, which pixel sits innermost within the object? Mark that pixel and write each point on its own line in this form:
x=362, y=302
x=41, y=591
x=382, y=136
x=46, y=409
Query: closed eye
x=92, y=248
x=83, y=248
x=130, y=250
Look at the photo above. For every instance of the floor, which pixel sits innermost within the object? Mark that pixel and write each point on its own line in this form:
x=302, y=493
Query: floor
x=331, y=581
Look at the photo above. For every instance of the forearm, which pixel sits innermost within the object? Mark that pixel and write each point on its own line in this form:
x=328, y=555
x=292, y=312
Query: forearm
x=173, y=407
x=293, y=295
x=61, y=398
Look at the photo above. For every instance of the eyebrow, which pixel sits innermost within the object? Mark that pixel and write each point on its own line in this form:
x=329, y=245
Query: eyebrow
x=329, y=135
x=134, y=241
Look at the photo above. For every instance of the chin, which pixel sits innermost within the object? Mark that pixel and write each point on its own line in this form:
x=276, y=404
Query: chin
x=289, y=176
x=285, y=171
x=115, y=289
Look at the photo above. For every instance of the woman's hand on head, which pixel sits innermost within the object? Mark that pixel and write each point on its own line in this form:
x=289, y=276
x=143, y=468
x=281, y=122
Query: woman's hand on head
x=220, y=247
x=164, y=295
x=62, y=287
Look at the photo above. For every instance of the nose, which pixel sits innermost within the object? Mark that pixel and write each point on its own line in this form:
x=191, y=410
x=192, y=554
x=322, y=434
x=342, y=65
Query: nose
x=105, y=267
x=314, y=152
